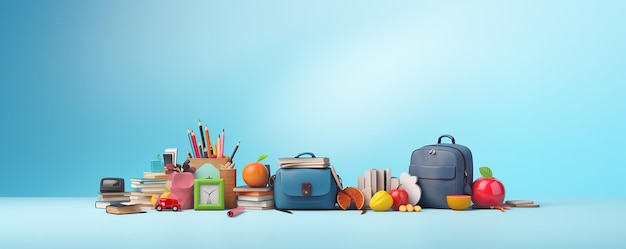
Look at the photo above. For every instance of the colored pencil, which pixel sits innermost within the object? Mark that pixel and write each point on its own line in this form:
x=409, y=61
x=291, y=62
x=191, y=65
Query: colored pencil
x=234, y=151
x=208, y=139
x=201, y=136
x=189, y=135
x=195, y=144
x=222, y=145
x=214, y=148
x=218, y=146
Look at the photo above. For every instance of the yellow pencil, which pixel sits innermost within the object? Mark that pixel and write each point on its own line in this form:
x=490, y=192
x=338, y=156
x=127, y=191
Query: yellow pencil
x=214, y=148
x=219, y=140
x=208, y=139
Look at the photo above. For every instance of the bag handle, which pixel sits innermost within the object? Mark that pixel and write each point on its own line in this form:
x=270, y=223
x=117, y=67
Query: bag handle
x=305, y=153
x=448, y=136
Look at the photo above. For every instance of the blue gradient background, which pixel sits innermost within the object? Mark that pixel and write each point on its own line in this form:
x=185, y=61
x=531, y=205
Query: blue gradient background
x=93, y=89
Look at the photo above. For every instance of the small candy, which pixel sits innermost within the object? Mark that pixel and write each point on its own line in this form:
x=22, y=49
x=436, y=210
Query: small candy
x=417, y=208
x=402, y=208
x=409, y=208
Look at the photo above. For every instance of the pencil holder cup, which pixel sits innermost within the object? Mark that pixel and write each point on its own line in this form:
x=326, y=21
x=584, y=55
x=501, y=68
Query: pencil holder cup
x=207, y=167
x=230, y=182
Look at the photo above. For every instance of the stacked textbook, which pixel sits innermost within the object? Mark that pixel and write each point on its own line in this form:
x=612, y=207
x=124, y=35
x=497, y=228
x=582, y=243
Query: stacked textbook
x=304, y=162
x=111, y=198
x=254, y=198
x=151, y=184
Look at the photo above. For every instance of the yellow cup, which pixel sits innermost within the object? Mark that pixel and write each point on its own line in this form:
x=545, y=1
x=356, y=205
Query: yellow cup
x=459, y=202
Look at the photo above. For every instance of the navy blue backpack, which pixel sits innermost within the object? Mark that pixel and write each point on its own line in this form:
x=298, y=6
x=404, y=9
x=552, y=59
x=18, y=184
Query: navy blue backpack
x=442, y=169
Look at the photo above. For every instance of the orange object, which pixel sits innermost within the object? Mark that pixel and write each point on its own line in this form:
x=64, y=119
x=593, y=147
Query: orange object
x=343, y=200
x=459, y=202
x=255, y=174
x=253, y=193
x=349, y=195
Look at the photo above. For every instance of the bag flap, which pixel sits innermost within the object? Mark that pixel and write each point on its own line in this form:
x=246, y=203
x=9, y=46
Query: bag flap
x=440, y=172
x=292, y=180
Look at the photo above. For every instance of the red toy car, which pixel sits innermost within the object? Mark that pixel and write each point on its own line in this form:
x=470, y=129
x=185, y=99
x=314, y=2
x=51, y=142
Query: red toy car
x=167, y=203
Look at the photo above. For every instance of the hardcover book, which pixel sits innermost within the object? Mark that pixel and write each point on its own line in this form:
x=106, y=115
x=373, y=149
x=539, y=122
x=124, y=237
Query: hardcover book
x=255, y=198
x=267, y=203
x=304, y=165
x=246, y=188
x=256, y=193
x=124, y=209
x=104, y=204
x=258, y=208
x=114, y=198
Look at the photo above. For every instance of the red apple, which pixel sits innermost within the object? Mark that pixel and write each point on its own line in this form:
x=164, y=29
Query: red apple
x=487, y=191
x=400, y=197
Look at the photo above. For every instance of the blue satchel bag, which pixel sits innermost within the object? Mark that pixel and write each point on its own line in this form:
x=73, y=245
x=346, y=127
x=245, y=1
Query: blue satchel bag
x=305, y=188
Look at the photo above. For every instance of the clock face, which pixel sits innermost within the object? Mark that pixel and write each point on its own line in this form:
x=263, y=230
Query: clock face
x=209, y=194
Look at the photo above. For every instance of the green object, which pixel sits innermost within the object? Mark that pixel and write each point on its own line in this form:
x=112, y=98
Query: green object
x=261, y=157
x=485, y=172
x=208, y=194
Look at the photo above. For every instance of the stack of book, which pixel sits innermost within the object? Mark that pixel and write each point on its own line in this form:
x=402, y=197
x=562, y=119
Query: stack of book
x=106, y=199
x=254, y=198
x=142, y=199
x=375, y=180
x=151, y=184
x=304, y=162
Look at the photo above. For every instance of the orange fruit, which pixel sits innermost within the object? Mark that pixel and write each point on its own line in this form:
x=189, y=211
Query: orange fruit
x=349, y=195
x=357, y=196
x=255, y=174
x=343, y=200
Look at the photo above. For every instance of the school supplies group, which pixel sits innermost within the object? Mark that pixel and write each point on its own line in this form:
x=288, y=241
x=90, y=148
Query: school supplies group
x=436, y=173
